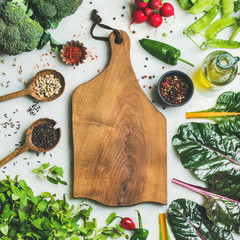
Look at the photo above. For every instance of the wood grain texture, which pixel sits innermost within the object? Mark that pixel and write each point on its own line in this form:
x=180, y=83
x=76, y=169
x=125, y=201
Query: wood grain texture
x=119, y=138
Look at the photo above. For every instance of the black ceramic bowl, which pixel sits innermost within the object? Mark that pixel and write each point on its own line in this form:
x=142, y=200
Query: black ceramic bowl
x=175, y=88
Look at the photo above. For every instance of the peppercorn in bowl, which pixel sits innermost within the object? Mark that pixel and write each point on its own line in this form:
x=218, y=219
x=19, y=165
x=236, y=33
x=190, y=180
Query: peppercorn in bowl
x=175, y=88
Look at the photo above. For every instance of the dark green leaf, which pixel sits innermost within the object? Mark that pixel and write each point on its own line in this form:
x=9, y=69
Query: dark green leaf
x=188, y=221
x=236, y=6
x=35, y=200
x=61, y=181
x=56, y=47
x=226, y=113
x=223, y=211
x=38, y=223
x=23, y=197
x=52, y=180
x=42, y=205
x=226, y=184
x=44, y=40
x=55, y=207
x=25, y=187
x=110, y=218
x=61, y=233
x=2, y=198
x=59, y=171
x=205, y=151
x=23, y=216
x=15, y=190
x=46, y=224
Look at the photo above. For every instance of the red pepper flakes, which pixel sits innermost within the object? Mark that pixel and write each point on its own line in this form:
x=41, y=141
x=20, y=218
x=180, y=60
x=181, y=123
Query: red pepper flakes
x=174, y=89
x=73, y=53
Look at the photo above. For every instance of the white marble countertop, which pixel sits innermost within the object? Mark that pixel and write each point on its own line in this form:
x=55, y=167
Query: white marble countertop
x=77, y=27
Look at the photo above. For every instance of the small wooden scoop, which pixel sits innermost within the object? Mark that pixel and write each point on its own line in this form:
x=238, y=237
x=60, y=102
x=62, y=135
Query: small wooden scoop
x=31, y=91
x=28, y=145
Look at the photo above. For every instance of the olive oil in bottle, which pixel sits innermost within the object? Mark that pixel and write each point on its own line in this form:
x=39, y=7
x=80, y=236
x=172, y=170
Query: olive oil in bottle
x=219, y=69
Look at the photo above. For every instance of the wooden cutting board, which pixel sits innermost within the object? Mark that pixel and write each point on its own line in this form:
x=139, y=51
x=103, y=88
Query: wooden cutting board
x=119, y=138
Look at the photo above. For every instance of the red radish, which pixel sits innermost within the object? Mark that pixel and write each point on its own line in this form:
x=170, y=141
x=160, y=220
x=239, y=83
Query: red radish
x=155, y=20
x=148, y=11
x=138, y=16
x=140, y=4
x=167, y=10
x=155, y=4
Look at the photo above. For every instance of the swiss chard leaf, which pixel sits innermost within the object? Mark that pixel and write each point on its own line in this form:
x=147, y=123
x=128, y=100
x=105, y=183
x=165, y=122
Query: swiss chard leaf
x=223, y=211
x=226, y=113
x=206, y=151
x=188, y=221
x=226, y=184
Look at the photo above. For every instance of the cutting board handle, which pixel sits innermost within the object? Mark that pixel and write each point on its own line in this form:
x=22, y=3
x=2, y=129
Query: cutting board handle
x=120, y=52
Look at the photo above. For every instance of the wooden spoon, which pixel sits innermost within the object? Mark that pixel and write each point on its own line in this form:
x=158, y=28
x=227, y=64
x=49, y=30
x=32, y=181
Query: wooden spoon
x=31, y=91
x=28, y=145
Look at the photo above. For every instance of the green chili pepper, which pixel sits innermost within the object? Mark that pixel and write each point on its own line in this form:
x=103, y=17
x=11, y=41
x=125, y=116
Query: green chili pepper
x=139, y=233
x=227, y=7
x=199, y=6
x=220, y=43
x=203, y=22
x=163, y=51
x=218, y=26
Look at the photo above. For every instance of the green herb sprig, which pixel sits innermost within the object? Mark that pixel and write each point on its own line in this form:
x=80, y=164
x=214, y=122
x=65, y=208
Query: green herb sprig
x=53, y=174
x=43, y=217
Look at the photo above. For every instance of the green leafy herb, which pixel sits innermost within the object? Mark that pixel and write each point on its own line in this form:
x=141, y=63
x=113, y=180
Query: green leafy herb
x=223, y=211
x=226, y=113
x=206, y=151
x=188, y=221
x=52, y=174
x=42, y=217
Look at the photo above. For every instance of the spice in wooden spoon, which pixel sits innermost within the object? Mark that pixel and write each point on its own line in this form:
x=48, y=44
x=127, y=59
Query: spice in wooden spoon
x=46, y=85
x=41, y=137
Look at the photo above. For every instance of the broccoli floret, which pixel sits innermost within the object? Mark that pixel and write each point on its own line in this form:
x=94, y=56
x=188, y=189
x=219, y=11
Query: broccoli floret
x=55, y=9
x=18, y=32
